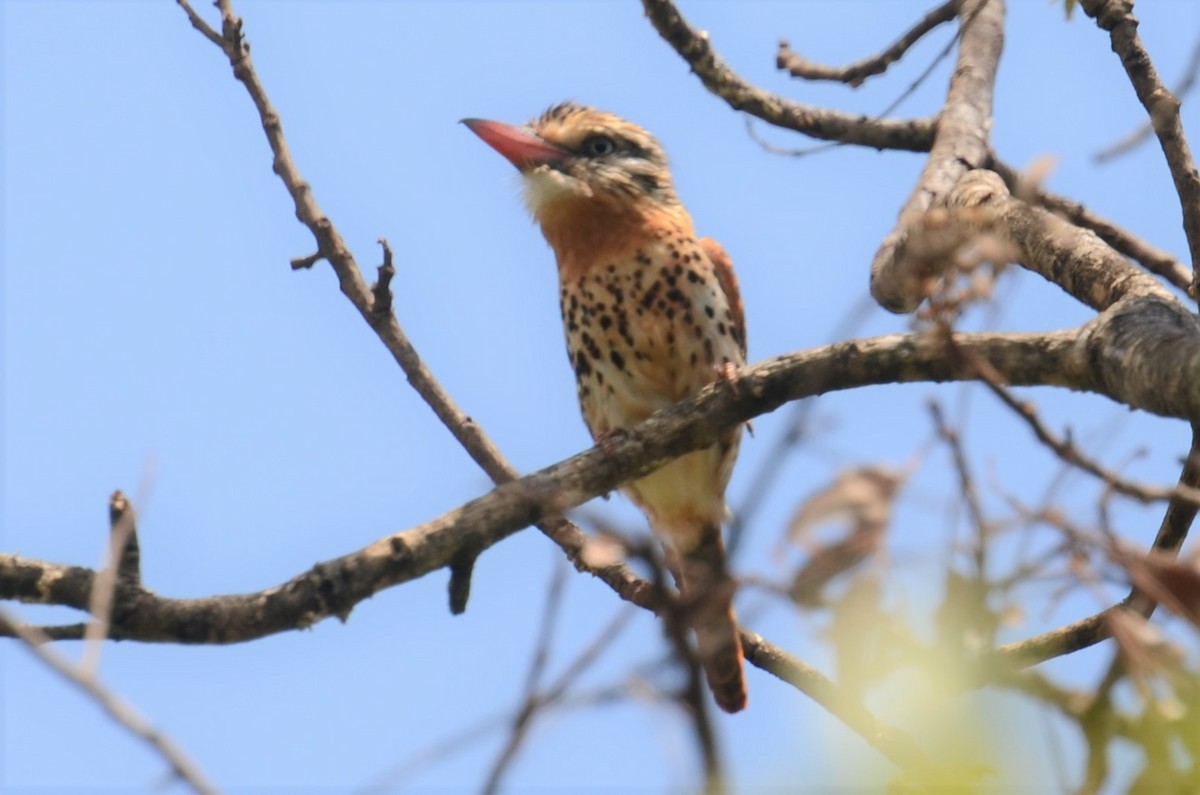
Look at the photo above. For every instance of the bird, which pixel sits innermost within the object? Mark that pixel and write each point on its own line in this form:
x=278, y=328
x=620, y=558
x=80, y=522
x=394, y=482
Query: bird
x=652, y=315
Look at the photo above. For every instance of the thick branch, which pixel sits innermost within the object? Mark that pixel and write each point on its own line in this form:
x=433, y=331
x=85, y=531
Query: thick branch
x=694, y=47
x=1123, y=241
x=333, y=588
x=961, y=144
x=980, y=207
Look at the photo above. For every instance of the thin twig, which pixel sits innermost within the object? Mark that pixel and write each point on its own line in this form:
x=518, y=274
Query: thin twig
x=967, y=489
x=915, y=135
x=894, y=744
x=856, y=73
x=1097, y=627
x=805, y=151
x=530, y=702
x=1136, y=138
x=1066, y=449
x=123, y=713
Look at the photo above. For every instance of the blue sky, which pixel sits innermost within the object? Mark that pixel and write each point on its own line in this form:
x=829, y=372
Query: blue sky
x=155, y=340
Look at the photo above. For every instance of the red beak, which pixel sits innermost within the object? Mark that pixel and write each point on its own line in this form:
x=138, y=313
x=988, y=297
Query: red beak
x=520, y=145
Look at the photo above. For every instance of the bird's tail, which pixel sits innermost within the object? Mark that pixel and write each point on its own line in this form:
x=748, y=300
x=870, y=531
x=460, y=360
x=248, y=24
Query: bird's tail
x=708, y=589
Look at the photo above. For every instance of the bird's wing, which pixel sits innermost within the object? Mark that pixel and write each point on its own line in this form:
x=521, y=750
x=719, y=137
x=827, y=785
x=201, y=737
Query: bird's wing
x=723, y=266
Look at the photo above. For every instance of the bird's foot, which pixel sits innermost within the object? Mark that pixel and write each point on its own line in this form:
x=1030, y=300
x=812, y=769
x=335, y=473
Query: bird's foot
x=727, y=374
x=609, y=440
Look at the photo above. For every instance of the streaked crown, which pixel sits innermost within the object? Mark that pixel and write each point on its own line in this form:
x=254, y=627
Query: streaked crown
x=604, y=155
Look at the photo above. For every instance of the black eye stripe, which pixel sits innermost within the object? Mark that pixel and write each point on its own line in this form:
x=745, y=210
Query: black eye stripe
x=647, y=182
x=617, y=144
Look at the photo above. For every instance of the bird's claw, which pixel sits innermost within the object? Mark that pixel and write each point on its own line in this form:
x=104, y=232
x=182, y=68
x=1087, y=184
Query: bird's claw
x=727, y=373
x=608, y=440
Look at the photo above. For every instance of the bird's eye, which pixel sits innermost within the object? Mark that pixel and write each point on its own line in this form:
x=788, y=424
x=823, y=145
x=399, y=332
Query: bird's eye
x=599, y=145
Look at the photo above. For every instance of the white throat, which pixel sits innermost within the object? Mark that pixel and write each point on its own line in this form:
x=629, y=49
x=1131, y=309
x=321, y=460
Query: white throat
x=545, y=186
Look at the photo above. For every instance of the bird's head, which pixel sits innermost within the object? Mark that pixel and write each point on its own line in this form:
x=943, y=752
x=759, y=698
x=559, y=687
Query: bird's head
x=575, y=158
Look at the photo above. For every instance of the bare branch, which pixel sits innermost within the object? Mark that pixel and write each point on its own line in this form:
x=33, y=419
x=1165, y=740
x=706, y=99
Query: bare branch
x=960, y=144
x=1145, y=373
x=374, y=305
x=694, y=47
x=1097, y=627
x=199, y=24
x=1062, y=640
x=966, y=482
x=1176, y=522
x=1116, y=17
x=1067, y=450
x=1151, y=258
x=856, y=73
x=537, y=666
x=124, y=714
x=1143, y=133
x=894, y=744
x=1181, y=512
x=979, y=208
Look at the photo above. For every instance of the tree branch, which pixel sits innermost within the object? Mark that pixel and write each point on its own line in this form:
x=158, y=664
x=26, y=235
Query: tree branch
x=1097, y=627
x=375, y=307
x=856, y=73
x=1134, y=139
x=1116, y=17
x=1123, y=241
x=979, y=209
x=895, y=745
x=915, y=135
x=181, y=766
x=1106, y=356
x=960, y=145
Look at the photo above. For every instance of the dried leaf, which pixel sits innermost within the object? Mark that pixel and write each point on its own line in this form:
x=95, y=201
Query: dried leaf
x=862, y=497
x=829, y=561
x=1173, y=583
x=1034, y=175
x=1144, y=649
